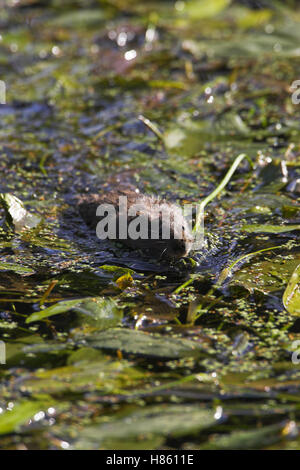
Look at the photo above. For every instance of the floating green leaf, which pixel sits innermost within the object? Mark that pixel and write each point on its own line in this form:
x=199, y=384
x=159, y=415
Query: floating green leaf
x=97, y=311
x=252, y=439
x=269, y=228
x=11, y=420
x=201, y=9
x=60, y=307
x=88, y=374
x=145, y=344
x=83, y=18
x=144, y=424
x=118, y=270
x=100, y=312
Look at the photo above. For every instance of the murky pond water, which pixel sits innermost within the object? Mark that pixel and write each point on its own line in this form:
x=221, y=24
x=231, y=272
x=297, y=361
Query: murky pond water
x=106, y=348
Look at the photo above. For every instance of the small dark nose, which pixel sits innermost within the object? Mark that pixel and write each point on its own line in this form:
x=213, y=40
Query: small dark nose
x=178, y=248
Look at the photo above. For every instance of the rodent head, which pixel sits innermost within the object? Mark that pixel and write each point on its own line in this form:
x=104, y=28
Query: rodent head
x=177, y=248
x=181, y=239
x=175, y=238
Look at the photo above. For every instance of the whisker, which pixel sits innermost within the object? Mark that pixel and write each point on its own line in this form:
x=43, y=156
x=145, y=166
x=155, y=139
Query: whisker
x=162, y=253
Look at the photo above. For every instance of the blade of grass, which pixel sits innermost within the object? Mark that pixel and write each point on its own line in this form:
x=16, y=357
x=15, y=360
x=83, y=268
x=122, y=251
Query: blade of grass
x=48, y=292
x=152, y=127
x=218, y=189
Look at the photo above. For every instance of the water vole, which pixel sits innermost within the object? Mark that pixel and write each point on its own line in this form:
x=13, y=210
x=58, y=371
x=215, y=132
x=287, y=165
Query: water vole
x=167, y=232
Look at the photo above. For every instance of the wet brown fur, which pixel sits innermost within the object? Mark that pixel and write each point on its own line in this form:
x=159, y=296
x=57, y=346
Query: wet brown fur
x=176, y=246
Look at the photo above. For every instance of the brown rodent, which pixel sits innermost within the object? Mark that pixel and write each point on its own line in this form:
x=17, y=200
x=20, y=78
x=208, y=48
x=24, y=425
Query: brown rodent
x=153, y=210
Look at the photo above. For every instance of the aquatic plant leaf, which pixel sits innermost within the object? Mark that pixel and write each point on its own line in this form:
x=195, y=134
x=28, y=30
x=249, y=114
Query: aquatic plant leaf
x=247, y=18
x=100, y=312
x=143, y=424
x=60, y=307
x=88, y=374
x=118, y=270
x=291, y=296
x=252, y=439
x=269, y=228
x=248, y=46
x=145, y=344
x=258, y=203
x=17, y=216
x=188, y=136
x=10, y=421
x=83, y=18
x=201, y=9
x=97, y=311
x=264, y=275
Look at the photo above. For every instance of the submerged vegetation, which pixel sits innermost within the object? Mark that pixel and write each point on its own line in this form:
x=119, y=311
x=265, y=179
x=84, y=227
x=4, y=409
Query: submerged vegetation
x=106, y=348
